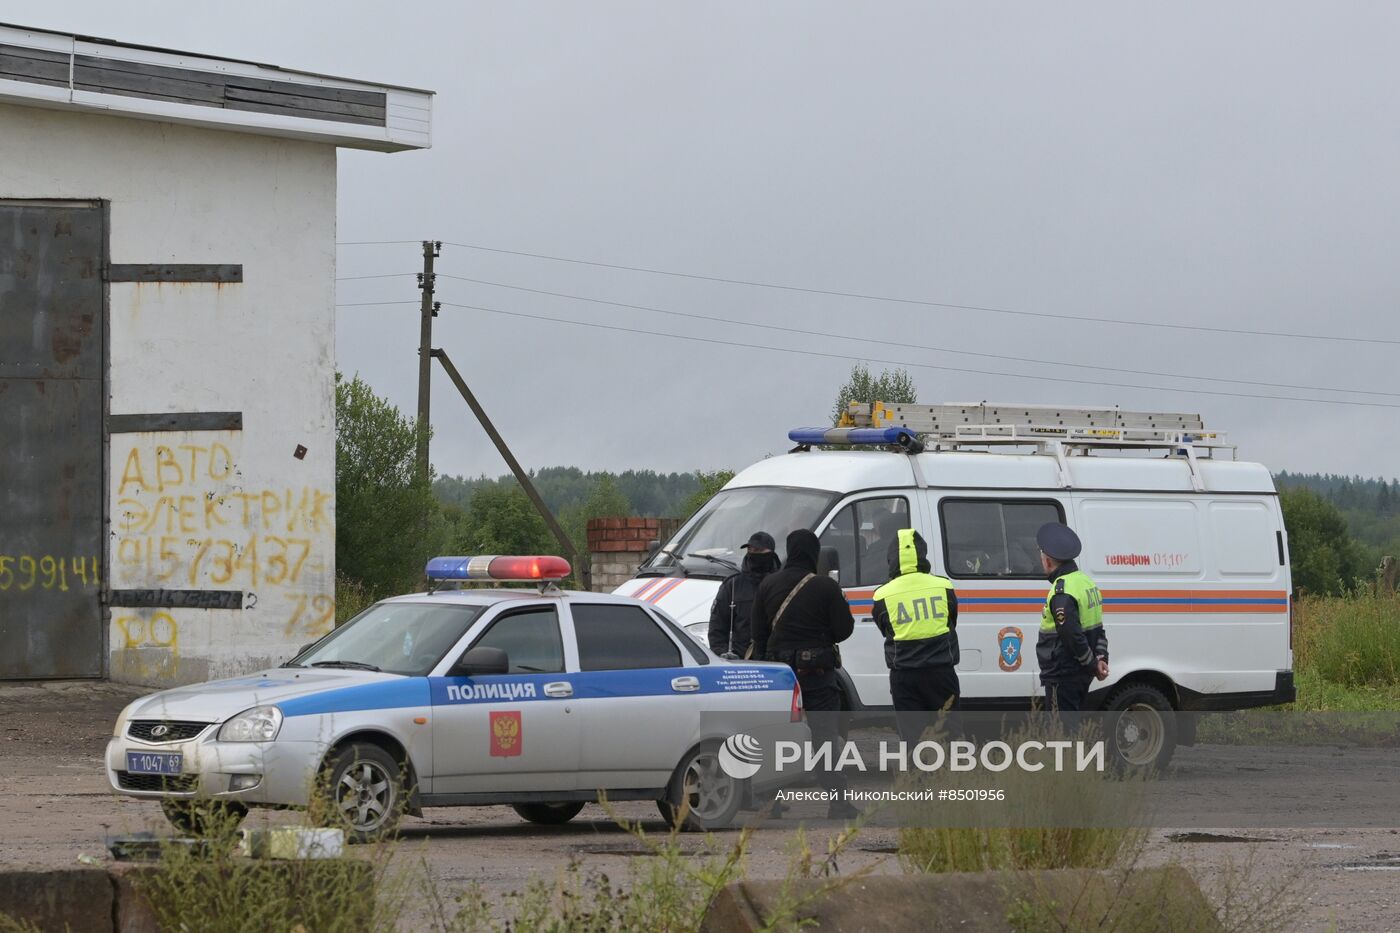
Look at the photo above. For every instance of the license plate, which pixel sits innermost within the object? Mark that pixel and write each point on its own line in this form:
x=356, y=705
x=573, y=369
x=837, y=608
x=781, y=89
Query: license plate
x=154, y=762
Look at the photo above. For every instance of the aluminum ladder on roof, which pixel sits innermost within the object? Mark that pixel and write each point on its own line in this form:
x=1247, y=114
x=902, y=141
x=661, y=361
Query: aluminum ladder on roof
x=1058, y=431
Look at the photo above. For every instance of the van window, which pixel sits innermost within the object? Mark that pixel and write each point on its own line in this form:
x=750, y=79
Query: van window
x=994, y=537
x=862, y=533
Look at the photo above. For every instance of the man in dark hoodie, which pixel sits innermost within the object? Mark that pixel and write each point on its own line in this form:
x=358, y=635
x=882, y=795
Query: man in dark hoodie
x=918, y=614
x=732, y=610
x=799, y=616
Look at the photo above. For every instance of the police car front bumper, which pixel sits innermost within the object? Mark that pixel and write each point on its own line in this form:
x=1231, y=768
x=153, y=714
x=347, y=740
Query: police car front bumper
x=276, y=773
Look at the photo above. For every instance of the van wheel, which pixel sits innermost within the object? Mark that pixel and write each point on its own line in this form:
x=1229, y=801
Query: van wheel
x=548, y=814
x=701, y=793
x=1142, y=727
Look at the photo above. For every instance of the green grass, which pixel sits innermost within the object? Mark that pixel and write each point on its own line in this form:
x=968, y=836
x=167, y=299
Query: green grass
x=1346, y=652
x=1353, y=640
x=1318, y=694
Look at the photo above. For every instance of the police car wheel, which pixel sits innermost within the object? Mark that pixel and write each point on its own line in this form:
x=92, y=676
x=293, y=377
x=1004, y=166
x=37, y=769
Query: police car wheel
x=701, y=793
x=1142, y=727
x=203, y=817
x=366, y=794
x=548, y=814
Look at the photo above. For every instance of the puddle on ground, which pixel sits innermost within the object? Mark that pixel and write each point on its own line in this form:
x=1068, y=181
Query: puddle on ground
x=1384, y=861
x=1216, y=837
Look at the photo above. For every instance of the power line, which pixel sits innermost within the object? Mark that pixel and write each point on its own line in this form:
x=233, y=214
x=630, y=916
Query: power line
x=913, y=346
x=954, y=369
x=372, y=304
x=373, y=242
x=384, y=275
x=930, y=304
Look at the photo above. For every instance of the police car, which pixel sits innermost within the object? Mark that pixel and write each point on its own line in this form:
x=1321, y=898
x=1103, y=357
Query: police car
x=537, y=698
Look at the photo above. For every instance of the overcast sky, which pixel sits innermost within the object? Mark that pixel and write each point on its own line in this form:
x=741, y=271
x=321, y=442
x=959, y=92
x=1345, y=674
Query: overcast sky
x=1227, y=165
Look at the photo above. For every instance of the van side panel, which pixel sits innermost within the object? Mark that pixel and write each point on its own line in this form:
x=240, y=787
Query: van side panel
x=1192, y=588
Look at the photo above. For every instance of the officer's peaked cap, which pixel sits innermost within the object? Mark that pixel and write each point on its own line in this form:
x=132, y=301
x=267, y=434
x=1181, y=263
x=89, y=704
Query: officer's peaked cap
x=1058, y=541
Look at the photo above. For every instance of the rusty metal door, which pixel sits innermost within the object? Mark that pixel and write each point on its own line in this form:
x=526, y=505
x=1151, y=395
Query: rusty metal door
x=52, y=481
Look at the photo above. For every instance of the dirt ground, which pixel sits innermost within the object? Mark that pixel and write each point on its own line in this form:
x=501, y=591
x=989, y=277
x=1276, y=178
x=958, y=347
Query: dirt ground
x=59, y=807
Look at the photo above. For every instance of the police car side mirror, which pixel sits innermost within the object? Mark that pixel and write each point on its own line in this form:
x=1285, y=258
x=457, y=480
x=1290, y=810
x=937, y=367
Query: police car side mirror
x=652, y=547
x=829, y=563
x=482, y=661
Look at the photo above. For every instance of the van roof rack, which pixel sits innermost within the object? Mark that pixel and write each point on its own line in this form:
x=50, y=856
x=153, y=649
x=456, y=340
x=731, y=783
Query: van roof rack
x=1058, y=431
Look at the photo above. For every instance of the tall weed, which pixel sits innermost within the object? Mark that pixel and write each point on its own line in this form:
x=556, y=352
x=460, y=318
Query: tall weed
x=1352, y=641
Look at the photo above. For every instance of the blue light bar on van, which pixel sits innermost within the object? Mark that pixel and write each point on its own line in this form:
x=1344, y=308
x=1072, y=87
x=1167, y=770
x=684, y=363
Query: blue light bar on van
x=844, y=437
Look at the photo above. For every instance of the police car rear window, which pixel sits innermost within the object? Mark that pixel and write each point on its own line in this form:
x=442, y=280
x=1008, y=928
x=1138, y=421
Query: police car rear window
x=620, y=638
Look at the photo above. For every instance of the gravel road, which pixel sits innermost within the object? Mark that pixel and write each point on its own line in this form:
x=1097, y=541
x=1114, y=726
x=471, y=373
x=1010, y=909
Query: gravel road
x=58, y=807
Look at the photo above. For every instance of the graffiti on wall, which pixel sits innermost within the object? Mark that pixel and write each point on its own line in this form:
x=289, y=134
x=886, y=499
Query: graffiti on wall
x=184, y=519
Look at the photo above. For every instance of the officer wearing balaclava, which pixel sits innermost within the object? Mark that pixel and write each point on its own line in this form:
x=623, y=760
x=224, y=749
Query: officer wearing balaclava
x=731, y=612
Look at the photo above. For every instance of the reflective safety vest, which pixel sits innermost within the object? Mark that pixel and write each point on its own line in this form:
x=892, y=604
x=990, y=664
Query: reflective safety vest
x=1084, y=591
x=917, y=604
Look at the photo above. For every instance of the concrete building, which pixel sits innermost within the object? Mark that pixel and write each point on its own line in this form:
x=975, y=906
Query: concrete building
x=167, y=354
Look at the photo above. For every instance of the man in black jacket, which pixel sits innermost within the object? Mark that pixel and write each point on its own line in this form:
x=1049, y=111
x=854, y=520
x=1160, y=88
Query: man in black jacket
x=803, y=634
x=732, y=610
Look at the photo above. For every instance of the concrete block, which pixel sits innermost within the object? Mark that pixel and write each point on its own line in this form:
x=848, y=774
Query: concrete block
x=78, y=899
x=1154, y=900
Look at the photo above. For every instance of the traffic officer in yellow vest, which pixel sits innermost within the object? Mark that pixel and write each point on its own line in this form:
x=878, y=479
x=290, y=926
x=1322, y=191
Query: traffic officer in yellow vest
x=918, y=614
x=1072, y=648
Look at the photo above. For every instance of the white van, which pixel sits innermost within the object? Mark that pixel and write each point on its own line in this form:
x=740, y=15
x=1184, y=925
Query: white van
x=1187, y=546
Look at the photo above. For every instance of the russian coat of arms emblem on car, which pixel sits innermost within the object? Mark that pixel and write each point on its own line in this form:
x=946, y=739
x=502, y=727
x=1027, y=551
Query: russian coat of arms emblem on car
x=1009, y=648
x=505, y=734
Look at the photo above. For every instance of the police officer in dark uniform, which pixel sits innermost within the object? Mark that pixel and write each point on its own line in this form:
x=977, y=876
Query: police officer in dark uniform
x=1073, y=647
x=732, y=609
x=918, y=614
x=799, y=616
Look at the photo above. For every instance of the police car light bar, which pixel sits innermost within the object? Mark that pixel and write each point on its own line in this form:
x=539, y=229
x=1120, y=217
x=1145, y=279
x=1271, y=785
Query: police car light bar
x=847, y=437
x=496, y=569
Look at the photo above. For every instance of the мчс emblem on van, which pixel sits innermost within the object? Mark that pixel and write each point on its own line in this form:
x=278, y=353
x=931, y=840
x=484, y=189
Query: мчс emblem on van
x=1009, y=648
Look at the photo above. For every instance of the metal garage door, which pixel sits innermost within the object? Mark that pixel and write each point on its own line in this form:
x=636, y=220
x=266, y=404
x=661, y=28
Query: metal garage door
x=51, y=446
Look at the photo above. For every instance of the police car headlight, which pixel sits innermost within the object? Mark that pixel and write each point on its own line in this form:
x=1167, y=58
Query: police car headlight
x=259, y=724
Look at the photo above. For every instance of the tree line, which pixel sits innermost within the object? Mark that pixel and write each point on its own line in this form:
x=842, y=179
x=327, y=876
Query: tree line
x=388, y=522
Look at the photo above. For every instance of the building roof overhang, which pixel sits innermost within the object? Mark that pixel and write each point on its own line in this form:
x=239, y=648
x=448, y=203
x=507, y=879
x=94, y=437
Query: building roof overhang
x=42, y=68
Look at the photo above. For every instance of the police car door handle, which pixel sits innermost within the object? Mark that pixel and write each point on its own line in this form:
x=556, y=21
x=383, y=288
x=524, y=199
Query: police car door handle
x=685, y=684
x=560, y=688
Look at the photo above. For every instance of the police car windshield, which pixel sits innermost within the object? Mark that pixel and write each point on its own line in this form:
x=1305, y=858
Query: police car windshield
x=724, y=523
x=396, y=638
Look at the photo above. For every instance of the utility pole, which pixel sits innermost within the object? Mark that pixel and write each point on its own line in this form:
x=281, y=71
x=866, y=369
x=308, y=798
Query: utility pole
x=426, y=283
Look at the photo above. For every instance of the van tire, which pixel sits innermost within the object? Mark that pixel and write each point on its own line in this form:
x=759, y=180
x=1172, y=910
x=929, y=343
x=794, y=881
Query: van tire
x=548, y=814
x=1141, y=726
x=700, y=797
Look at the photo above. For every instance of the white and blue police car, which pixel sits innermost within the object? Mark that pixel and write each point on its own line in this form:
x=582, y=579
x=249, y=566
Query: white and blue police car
x=541, y=699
